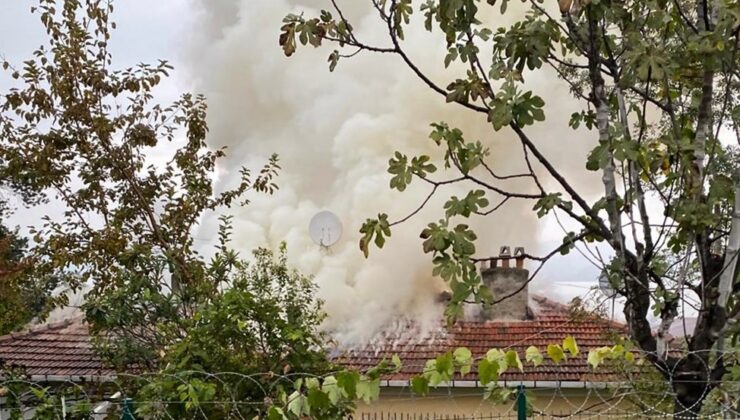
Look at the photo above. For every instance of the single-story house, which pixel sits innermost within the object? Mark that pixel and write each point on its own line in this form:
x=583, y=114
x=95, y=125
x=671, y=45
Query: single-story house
x=521, y=321
x=62, y=352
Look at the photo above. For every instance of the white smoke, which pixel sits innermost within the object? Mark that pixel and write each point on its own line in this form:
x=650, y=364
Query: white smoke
x=334, y=133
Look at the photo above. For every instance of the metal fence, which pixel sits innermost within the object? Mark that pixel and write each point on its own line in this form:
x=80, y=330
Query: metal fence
x=487, y=416
x=108, y=399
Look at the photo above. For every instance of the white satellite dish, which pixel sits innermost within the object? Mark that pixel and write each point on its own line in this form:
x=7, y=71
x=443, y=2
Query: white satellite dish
x=325, y=228
x=605, y=285
x=607, y=288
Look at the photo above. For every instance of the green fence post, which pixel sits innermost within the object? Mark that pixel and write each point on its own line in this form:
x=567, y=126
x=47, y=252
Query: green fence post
x=521, y=403
x=128, y=409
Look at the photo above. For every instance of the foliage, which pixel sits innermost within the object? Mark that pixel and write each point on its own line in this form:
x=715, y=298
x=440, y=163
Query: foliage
x=657, y=85
x=265, y=320
x=47, y=401
x=76, y=130
x=187, y=389
x=460, y=362
x=22, y=295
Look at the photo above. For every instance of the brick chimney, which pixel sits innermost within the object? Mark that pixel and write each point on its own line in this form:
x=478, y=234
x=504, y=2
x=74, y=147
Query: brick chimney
x=503, y=280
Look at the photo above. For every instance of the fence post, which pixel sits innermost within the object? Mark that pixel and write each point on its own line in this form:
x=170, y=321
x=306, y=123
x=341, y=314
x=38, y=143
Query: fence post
x=521, y=403
x=128, y=410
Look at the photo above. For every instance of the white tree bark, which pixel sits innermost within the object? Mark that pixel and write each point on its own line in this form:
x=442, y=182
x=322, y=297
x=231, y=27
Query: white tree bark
x=727, y=278
x=703, y=123
x=703, y=128
x=662, y=336
x=608, y=178
x=669, y=316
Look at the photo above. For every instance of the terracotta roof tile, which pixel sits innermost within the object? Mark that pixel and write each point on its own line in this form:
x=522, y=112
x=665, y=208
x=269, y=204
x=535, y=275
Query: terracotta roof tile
x=58, y=349
x=64, y=349
x=415, y=345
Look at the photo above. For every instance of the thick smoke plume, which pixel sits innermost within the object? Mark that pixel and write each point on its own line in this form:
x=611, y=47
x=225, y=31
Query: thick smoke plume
x=334, y=133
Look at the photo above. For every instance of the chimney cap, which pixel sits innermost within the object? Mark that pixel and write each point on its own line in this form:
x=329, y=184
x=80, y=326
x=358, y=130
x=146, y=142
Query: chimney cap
x=519, y=252
x=505, y=252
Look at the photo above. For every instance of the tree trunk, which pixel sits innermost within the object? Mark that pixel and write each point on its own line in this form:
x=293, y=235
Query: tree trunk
x=687, y=406
x=690, y=379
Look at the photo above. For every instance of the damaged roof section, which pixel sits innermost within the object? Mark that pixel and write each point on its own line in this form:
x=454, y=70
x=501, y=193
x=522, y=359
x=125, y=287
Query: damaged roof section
x=550, y=322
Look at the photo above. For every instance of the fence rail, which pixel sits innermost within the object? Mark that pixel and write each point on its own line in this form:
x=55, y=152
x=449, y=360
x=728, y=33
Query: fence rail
x=108, y=395
x=491, y=416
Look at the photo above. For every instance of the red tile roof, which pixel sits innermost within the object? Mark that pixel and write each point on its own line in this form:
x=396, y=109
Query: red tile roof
x=551, y=323
x=58, y=349
x=64, y=349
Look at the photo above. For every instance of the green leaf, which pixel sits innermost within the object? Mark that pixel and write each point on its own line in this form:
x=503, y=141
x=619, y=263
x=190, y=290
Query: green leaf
x=512, y=359
x=312, y=383
x=298, y=404
x=378, y=229
x=598, y=158
x=396, y=361
x=534, y=356
x=472, y=203
x=444, y=365
x=569, y=343
x=276, y=413
x=501, y=115
x=545, y=204
x=487, y=371
x=398, y=166
x=318, y=400
x=348, y=380
x=420, y=385
x=332, y=389
x=555, y=352
x=464, y=359
x=595, y=357
x=462, y=355
x=368, y=390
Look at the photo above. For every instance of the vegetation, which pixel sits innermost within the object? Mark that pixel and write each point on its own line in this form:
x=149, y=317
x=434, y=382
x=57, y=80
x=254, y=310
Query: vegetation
x=75, y=131
x=261, y=328
x=24, y=296
x=657, y=84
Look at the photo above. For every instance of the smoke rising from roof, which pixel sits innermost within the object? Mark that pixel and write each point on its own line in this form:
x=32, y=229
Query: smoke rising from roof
x=334, y=133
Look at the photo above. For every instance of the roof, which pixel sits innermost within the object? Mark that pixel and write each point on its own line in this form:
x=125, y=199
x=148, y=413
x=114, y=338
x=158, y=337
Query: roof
x=551, y=323
x=61, y=349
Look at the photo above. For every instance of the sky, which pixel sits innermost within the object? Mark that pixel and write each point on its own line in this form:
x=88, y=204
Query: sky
x=334, y=133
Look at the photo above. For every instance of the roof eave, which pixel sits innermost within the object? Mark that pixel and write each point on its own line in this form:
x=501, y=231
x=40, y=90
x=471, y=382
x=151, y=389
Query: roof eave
x=77, y=379
x=526, y=384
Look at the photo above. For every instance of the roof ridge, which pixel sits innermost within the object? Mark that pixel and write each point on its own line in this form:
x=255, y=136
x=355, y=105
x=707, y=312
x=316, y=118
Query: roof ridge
x=35, y=329
x=542, y=299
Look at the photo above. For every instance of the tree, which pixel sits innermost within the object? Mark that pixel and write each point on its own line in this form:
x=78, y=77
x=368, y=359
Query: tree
x=22, y=296
x=657, y=82
x=250, y=343
x=75, y=130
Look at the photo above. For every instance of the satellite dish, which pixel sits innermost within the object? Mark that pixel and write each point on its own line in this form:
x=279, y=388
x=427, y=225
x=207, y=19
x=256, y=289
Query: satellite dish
x=607, y=288
x=605, y=285
x=325, y=228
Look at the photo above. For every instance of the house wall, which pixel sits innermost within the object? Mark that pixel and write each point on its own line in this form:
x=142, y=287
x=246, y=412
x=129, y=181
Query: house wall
x=469, y=402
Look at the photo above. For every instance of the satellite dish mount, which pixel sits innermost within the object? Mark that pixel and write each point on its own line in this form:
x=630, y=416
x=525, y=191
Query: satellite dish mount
x=607, y=288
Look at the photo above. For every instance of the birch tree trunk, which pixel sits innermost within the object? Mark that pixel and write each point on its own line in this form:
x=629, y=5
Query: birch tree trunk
x=729, y=268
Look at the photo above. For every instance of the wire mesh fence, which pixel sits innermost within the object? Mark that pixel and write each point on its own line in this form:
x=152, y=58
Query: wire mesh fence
x=487, y=416
x=115, y=398
x=642, y=392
